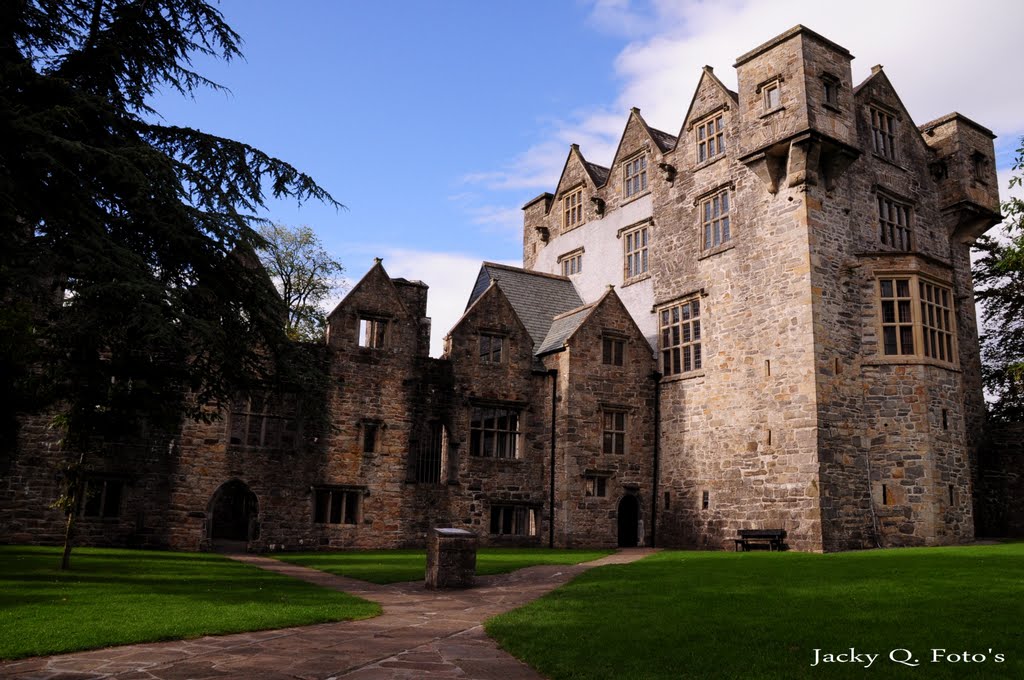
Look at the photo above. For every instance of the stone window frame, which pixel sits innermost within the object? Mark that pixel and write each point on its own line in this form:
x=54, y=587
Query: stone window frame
x=709, y=132
x=513, y=519
x=614, y=430
x=978, y=166
x=715, y=221
x=571, y=263
x=636, y=240
x=511, y=433
x=884, y=125
x=926, y=320
x=372, y=331
x=343, y=506
x=432, y=455
x=257, y=413
x=368, y=426
x=492, y=347
x=681, y=336
x=595, y=485
x=613, y=349
x=895, y=221
x=831, y=86
x=572, y=208
x=771, y=94
x=634, y=175
x=102, y=497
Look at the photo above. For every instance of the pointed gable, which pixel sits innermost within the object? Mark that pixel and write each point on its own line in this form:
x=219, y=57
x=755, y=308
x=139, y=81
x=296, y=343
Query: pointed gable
x=709, y=96
x=536, y=298
x=877, y=90
x=374, y=296
x=608, y=313
x=638, y=135
x=374, y=292
x=576, y=170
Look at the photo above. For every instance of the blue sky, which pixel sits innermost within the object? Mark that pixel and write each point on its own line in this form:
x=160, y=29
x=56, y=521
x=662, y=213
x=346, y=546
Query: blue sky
x=433, y=122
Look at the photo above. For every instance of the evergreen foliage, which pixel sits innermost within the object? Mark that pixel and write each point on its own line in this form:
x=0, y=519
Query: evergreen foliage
x=128, y=271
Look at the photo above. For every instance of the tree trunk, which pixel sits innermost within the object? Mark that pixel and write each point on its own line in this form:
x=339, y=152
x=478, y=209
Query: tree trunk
x=69, y=530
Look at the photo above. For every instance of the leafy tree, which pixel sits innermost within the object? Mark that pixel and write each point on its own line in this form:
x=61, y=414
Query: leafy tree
x=130, y=292
x=305, y=275
x=999, y=275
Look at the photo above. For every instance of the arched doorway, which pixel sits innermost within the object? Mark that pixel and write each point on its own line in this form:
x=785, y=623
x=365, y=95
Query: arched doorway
x=233, y=513
x=629, y=516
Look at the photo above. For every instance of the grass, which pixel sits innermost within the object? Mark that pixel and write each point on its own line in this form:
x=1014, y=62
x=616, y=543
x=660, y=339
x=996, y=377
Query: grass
x=394, y=566
x=114, y=597
x=762, y=615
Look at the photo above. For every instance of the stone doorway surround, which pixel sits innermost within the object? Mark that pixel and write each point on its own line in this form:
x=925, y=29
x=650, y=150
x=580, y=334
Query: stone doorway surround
x=232, y=513
x=421, y=634
x=628, y=521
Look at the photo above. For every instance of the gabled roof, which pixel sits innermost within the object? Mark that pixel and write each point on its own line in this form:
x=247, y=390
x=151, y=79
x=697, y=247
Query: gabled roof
x=709, y=74
x=536, y=298
x=879, y=77
x=562, y=328
x=378, y=273
x=596, y=173
x=662, y=140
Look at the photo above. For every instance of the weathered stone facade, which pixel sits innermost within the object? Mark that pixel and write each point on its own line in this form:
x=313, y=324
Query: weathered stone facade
x=765, y=321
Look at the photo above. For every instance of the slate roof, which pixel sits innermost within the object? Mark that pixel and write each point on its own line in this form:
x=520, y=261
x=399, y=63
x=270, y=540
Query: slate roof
x=537, y=298
x=562, y=328
x=598, y=173
x=665, y=141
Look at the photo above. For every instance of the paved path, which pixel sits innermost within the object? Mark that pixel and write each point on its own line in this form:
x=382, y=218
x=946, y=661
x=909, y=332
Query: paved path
x=421, y=634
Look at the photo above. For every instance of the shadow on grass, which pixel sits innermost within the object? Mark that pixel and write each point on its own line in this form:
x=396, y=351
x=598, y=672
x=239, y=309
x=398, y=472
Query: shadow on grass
x=135, y=596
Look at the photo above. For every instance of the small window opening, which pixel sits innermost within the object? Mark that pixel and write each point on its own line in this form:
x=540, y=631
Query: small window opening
x=372, y=333
x=885, y=495
x=667, y=500
x=705, y=501
x=768, y=367
x=370, y=436
x=945, y=419
x=769, y=437
x=596, y=486
x=952, y=498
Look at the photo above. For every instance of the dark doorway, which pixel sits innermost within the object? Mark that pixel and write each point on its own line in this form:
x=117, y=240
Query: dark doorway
x=233, y=513
x=629, y=515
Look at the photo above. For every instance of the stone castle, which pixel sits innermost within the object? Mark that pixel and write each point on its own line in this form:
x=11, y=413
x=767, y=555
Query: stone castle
x=764, y=321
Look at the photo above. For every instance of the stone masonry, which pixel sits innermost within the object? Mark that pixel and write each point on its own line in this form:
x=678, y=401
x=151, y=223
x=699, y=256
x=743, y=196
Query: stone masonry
x=765, y=321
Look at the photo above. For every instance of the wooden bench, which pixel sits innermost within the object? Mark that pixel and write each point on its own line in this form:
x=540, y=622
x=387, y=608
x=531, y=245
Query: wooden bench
x=773, y=537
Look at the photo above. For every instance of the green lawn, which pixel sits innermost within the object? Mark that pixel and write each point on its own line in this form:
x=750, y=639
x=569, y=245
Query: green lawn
x=393, y=566
x=113, y=597
x=762, y=615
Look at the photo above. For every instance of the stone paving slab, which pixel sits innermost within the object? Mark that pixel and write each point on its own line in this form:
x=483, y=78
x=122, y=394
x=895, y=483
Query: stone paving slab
x=421, y=634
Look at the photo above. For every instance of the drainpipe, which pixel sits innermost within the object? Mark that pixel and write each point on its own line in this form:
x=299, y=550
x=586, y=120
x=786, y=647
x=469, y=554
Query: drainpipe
x=656, y=377
x=554, y=396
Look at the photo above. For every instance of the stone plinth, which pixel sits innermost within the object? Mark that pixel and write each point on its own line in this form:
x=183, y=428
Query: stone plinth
x=451, y=559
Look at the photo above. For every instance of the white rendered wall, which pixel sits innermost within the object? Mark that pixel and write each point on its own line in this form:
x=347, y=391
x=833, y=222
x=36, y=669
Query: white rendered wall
x=603, y=262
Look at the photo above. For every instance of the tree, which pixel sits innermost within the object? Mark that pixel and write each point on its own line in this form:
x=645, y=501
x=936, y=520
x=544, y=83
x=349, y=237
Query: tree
x=305, y=275
x=130, y=293
x=999, y=275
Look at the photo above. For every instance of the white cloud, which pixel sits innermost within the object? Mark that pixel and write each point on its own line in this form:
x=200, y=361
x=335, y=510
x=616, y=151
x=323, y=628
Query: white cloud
x=941, y=55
